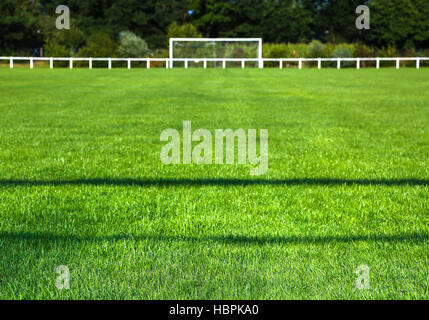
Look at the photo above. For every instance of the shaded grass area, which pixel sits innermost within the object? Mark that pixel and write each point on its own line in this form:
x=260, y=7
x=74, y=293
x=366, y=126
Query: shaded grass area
x=230, y=239
x=82, y=185
x=217, y=182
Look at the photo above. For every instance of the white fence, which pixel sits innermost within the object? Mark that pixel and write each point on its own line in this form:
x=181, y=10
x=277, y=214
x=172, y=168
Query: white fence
x=170, y=62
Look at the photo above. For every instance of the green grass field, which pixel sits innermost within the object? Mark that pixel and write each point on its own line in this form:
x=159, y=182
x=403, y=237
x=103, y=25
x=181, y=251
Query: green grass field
x=82, y=185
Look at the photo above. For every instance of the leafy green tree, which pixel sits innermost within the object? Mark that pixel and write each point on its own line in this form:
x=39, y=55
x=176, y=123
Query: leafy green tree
x=19, y=26
x=286, y=21
x=186, y=30
x=215, y=18
x=400, y=23
x=148, y=19
x=334, y=20
x=26, y=25
x=72, y=39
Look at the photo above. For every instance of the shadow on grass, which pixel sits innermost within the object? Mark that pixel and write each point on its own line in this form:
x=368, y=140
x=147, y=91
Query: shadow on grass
x=227, y=239
x=218, y=182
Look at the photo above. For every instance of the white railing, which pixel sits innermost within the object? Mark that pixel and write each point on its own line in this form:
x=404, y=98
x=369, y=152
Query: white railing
x=90, y=61
x=169, y=63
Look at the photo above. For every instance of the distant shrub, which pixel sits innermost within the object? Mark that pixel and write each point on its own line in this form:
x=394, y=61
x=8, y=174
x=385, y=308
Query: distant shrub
x=316, y=49
x=16, y=52
x=409, y=53
x=330, y=47
x=73, y=38
x=363, y=51
x=271, y=50
x=298, y=50
x=159, y=53
x=423, y=53
x=389, y=51
x=99, y=45
x=132, y=45
x=275, y=51
x=344, y=51
x=54, y=49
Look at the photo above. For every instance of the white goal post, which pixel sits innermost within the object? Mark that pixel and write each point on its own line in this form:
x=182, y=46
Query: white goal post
x=215, y=50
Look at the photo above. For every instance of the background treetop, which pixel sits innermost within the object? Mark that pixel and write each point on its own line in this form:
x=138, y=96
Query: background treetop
x=25, y=25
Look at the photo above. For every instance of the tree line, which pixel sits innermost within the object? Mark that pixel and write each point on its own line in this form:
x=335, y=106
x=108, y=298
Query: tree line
x=102, y=26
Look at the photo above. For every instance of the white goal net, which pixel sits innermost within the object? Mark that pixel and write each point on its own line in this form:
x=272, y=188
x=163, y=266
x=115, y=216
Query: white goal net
x=215, y=52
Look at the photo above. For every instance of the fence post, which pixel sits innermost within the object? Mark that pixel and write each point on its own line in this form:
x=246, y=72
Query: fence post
x=11, y=63
x=319, y=63
x=71, y=63
x=418, y=63
x=148, y=64
x=300, y=63
x=397, y=63
x=90, y=63
x=281, y=64
x=51, y=63
x=31, y=63
x=223, y=63
x=205, y=63
x=186, y=64
x=358, y=63
x=129, y=64
x=378, y=63
x=109, y=63
x=242, y=64
x=338, y=63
